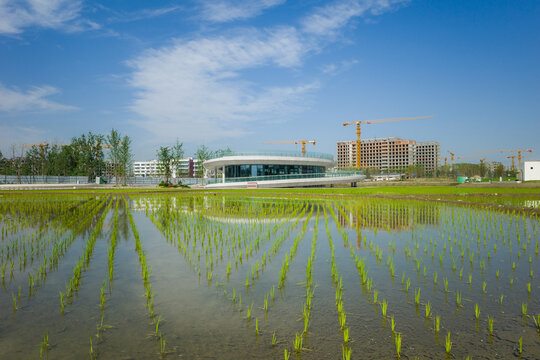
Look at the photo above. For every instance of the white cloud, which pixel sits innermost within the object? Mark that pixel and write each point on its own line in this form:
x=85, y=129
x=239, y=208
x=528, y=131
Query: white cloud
x=31, y=100
x=195, y=88
x=123, y=16
x=15, y=15
x=332, y=17
x=335, y=69
x=223, y=11
x=198, y=89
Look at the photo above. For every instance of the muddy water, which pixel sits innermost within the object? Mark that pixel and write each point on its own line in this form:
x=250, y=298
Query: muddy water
x=189, y=242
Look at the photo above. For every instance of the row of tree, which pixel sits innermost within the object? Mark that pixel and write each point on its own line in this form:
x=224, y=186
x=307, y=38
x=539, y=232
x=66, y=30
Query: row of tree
x=96, y=155
x=84, y=156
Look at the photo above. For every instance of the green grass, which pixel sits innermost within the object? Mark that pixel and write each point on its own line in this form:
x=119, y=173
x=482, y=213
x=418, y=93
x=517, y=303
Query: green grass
x=369, y=189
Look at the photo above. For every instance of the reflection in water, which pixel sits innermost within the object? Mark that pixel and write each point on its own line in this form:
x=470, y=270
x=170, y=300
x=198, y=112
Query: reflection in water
x=229, y=209
x=212, y=260
x=388, y=215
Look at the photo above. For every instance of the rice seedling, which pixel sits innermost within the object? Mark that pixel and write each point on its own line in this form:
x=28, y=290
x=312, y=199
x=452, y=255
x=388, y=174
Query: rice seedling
x=490, y=325
x=392, y=324
x=256, y=326
x=476, y=311
x=417, y=296
x=397, y=342
x=346, y=335
x=274, y=339
x=520, y=345
x=91, y=351
x=524, y=309
x=447, y=344
x=298, y=343
x=162, y=345
x=437, y=323
x=428, y=310
x=384, y=306
x=536, y=320
x=458, y=299
x=286, y=355
x=45, y=346
x=346, y=352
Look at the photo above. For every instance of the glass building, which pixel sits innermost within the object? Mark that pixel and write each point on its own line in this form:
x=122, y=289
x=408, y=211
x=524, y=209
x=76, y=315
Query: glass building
x=253, y=166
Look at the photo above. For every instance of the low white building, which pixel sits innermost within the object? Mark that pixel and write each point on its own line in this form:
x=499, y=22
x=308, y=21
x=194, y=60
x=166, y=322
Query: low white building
x=188, y=168
x=531, y=170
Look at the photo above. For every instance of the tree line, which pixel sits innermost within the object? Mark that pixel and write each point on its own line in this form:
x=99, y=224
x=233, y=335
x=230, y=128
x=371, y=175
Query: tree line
x=84, y=156
x=96, y=155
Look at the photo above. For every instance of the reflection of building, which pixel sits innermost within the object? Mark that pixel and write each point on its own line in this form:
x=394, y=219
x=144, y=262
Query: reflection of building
x=389, y=154
x=393, y=215
x=274, y=170
x=188, y=167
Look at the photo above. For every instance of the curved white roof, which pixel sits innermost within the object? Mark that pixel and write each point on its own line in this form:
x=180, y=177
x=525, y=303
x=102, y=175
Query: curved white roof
x=270, y=158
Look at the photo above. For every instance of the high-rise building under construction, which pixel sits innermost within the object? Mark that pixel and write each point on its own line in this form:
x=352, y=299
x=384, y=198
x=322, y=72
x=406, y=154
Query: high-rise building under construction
x=387, y=154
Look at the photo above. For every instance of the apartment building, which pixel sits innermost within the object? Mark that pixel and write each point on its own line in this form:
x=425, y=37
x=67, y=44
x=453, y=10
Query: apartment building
x=188, y=168
x=391, y=153
x=428, y=154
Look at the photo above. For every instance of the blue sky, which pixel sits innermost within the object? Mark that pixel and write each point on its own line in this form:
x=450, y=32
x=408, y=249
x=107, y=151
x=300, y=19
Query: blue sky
x=235, y=74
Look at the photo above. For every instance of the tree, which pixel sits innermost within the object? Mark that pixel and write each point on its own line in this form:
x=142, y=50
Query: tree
x=114, y=144
x=177, y=153
x=125, y=158
x=169, y=160
x=89, y=150
x=203, y=153
x=482, y=169
x=164, y=156
x=499, y=171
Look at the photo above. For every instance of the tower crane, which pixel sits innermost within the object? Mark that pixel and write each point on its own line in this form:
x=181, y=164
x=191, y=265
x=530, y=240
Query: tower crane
x=295, y=142
x=451, y=160
x=377, y=121
x=41, y=146
x=482, y=160
x=518, y=151
x=445, y=161
x=513, y=157
x=454, y=157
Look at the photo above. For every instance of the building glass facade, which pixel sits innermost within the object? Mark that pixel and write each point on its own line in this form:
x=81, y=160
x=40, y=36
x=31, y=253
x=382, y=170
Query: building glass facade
x=234, y=171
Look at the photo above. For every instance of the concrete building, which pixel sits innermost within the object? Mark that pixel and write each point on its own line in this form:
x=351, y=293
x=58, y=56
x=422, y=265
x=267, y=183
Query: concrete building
x=274, y=170
x=391, y=153
x=188, y=168
x=531, y=170
x=428, y=154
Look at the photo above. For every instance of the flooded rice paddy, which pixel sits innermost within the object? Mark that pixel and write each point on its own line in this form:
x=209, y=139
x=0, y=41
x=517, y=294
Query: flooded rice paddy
x=224, y=277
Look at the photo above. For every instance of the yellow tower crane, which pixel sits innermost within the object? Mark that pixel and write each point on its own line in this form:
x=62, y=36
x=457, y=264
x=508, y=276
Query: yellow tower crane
x=518, y=151
x=451, y=160
x=513, y=157
x=295, y=142
x=41, y=146
x=445, y=161
x=377, y=121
